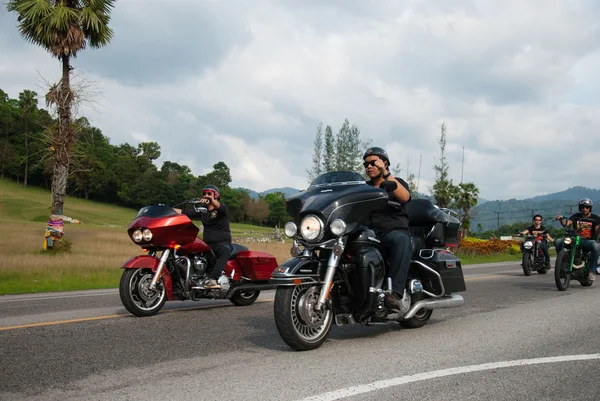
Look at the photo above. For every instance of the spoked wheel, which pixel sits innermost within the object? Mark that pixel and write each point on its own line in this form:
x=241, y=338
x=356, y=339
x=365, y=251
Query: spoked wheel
x=527, y=262
x=562, y=275
x=418, y=320
x=244, y=298
x=136, y=295
x=298, y=322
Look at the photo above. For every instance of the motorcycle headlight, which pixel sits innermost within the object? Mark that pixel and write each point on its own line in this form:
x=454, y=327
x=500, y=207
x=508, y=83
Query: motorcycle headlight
x=311, y=228
x=147, y=235
x=290, y=229
x=568, y=241
x=527, y=244
x=337, y=227
x=136, y=236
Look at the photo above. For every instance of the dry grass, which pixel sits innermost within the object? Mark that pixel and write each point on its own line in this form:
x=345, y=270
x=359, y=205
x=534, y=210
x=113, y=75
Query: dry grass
x=93, y=262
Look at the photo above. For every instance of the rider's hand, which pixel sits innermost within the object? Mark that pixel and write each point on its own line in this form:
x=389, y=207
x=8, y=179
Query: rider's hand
x=177, y=210
x=559, y=217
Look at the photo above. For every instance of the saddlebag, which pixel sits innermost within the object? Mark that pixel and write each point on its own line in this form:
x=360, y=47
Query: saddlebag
x=256, y=265
x=447, y=265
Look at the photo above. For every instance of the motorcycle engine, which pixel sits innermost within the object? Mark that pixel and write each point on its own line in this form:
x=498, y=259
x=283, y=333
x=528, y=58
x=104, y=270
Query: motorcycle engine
x=200, y=265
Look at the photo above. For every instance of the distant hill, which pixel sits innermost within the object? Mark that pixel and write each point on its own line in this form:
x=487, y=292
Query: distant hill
x=502, y=212
x=287, y=191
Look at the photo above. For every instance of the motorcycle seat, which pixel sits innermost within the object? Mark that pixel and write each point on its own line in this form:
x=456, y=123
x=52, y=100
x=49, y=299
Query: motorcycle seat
x=236, y=248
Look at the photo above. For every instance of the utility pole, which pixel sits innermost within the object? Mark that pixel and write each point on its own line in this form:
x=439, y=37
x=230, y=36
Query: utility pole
x=531, y=214
x=462, y=169
x=498, y=215
x=419, y=174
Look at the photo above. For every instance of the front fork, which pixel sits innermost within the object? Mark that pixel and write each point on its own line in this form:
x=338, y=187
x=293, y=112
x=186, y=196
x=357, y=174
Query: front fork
x=332, y=264
x=159, y=269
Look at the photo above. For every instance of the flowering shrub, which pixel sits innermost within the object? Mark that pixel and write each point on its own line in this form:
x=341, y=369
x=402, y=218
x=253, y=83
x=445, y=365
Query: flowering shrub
x=475, y=247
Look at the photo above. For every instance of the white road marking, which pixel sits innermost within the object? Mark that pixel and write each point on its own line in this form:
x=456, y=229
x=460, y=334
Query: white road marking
x=381, y=384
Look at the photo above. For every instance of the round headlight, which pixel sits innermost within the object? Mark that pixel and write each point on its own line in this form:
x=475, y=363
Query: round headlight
x=527, y=244
x=290, y=229
x=136, y=236
x=337, y=227
x=567, y=241
x=147, y=235
x=311, y=227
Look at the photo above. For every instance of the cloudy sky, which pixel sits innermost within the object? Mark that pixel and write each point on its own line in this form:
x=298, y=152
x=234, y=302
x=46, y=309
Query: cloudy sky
x=247, y=83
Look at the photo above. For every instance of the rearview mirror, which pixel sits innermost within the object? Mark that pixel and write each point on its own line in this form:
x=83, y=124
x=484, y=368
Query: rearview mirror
x=388, y=186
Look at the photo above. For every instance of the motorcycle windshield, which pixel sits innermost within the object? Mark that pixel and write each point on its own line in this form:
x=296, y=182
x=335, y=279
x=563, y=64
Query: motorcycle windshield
x=156, y=211
x=341, y=195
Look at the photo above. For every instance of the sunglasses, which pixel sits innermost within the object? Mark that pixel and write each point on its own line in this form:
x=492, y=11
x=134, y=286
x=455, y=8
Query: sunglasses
x=369, y=163
x=209, y=193
x=585, y=207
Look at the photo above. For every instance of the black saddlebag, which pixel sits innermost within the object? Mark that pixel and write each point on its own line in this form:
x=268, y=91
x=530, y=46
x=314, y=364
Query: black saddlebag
x=431, y=227
x=447, y=265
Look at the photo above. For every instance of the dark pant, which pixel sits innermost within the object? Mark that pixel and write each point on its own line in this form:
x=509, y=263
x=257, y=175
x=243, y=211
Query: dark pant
x=222, y=251
x=398, y=246
x=588, y=245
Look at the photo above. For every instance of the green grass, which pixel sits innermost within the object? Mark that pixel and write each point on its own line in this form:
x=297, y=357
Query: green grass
x=502, y=257
x=64, y=279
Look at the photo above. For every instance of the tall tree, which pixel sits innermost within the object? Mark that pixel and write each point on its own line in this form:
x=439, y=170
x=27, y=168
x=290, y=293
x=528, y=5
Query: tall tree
x=28, y=103
x=315, y=170
x=443, y=190
x=329, y=154
x=63, y=28
x=466, y=197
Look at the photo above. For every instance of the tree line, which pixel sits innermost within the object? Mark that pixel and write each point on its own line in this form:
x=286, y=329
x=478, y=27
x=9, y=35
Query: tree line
x=121, y=174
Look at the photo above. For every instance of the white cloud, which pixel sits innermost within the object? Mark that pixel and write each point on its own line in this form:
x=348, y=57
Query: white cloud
x=247, y=85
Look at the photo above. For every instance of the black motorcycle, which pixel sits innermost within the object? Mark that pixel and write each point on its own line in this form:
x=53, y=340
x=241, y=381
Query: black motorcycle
x=337, y=272
x=533, y=255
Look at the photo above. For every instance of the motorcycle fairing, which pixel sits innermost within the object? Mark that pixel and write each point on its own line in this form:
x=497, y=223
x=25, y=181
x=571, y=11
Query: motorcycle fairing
x=150, y=262
x=295, y=271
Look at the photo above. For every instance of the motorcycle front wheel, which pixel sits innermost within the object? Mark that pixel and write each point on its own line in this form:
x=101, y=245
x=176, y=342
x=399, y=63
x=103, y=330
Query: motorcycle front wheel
x=562, y=275
x=527, y=262
x=136, y=295
x=299, y=324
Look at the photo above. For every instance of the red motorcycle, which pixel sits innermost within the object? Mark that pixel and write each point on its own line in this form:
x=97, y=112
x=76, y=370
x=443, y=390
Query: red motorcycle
x=176, y=261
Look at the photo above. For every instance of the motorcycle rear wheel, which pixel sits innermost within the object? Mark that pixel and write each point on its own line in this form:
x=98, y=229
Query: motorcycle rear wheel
x=562, y=275
x=299, y=324
x=244, y=298
x=136, y=295
x=527, y=262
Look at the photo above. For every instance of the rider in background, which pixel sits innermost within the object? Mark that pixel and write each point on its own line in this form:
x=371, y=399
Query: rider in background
x=391, y=227
x=217, y=233
x=587, y=226
x=538, y=229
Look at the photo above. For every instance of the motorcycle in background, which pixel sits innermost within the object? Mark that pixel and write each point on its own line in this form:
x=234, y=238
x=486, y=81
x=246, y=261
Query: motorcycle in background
x=533, y=255
x=572, y=263
x=337, y=272
x=175, y=262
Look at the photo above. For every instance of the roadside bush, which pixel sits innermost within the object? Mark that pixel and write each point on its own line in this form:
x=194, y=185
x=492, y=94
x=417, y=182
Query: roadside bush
x=470, y=246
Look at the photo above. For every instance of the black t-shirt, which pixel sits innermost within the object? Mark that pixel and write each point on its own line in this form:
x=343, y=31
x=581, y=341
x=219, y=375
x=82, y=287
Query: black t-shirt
x=586, y=226
x=215, y=222
x=391, y=217
x=537, y=231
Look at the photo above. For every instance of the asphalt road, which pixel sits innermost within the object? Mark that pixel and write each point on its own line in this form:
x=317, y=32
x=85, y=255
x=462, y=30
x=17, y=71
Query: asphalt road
x=516, y=337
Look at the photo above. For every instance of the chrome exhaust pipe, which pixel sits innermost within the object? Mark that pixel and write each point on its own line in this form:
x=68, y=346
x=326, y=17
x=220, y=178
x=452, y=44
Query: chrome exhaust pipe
x=438, y=303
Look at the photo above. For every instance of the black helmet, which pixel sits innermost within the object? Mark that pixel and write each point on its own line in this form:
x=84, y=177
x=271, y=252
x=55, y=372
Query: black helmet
x=214, y=189
x=585, y=202
x=375, y=151
x=538, y=215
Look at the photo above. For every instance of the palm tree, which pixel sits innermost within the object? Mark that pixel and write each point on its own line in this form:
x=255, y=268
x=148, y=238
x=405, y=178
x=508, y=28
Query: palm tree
x=63, y=28
x=466, y=197
x=28, y=103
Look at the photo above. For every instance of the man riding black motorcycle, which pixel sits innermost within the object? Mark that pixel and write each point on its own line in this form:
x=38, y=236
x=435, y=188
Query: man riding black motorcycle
x=587, y=226
x=538, y=229
x=391, y=226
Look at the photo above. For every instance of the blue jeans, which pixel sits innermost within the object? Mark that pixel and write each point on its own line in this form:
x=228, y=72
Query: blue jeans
x=398, y=248
x=588, y=245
